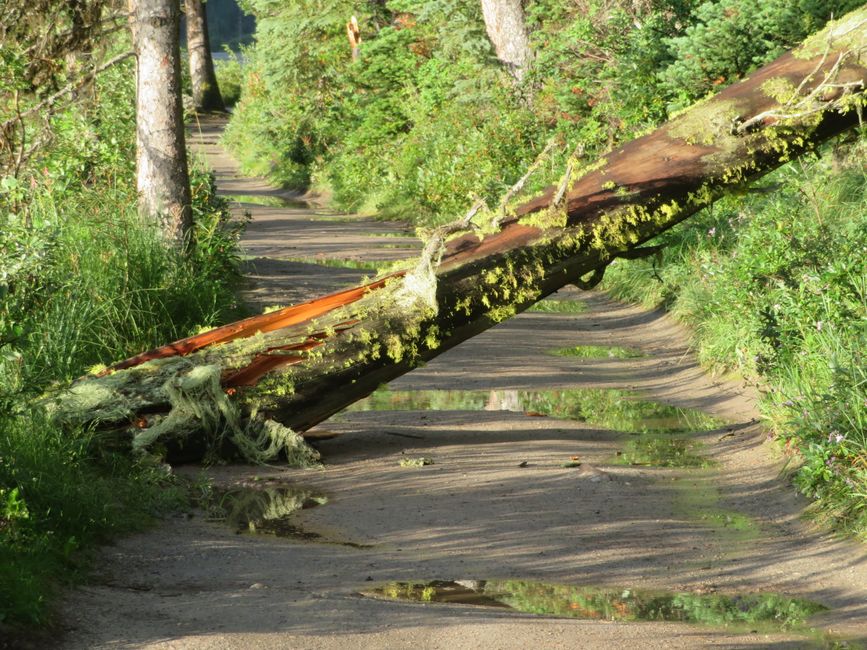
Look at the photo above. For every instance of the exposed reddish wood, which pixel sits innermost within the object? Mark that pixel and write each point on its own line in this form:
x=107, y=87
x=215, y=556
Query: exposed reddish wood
x=270, y=322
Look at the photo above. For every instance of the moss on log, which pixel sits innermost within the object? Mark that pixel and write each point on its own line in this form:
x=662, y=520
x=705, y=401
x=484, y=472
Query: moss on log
x=256, y=381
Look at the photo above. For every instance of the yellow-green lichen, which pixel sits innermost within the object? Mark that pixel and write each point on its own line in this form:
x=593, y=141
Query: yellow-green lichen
x=707, y=123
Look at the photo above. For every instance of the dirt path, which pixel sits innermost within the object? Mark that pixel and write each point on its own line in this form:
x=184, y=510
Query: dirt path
x=496, y=504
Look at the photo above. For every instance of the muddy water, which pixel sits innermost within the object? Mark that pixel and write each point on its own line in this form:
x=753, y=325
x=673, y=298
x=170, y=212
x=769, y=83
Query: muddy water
x=267, y=509
x=765, y=612
x=267, y=200
x=610, y=409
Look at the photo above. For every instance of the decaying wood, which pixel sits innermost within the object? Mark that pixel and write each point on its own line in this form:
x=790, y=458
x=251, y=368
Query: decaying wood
x=297, y=366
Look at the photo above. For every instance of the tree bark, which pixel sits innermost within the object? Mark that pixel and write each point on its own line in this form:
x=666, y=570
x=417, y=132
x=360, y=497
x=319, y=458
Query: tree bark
x=299, y=365
x=161, y=157
x=504, y=22
x=206, y=91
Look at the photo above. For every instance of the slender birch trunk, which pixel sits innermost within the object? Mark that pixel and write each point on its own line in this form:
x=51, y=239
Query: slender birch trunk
x=161, y=157
x=206, y=92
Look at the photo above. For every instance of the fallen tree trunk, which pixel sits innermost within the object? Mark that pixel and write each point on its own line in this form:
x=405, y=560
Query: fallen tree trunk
x=258, y=381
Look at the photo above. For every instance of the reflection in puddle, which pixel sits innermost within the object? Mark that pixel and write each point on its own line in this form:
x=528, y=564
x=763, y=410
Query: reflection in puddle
x=610, y=409
x=264, y=510
x=267, y=200
x=662, y=451
x=343, y=263
x=599, y=352
x=553, y=306
x=763, y=611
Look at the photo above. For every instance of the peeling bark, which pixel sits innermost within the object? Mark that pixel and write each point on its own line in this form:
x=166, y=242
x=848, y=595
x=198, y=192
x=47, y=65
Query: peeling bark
x=299, y=365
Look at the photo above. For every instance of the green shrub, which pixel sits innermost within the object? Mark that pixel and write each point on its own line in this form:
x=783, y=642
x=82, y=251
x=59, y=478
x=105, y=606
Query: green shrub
x=230, y=76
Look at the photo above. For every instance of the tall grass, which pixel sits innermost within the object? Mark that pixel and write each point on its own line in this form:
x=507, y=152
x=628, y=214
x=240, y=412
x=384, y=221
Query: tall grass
x=85, y=281
x=774, y=287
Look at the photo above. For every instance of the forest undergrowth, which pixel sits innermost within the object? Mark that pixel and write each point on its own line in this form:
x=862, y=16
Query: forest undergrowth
x=426, y=121
x=85, y=281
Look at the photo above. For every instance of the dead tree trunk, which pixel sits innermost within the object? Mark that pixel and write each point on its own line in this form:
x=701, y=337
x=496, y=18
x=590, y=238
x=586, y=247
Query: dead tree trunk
x=206, y=91
x=297, y=366
x=504, y=22
x=161, y=155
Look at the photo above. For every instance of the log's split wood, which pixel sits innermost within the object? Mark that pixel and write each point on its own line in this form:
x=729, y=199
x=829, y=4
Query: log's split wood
x=255, y=380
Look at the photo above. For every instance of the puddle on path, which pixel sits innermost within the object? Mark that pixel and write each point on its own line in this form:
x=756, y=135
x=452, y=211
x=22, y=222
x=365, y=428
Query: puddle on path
x=699, y=499
x=611, y=409
x=270, y=510
x=760, y=612
x=267, y=200
x=553, y=306
x=343, y=263
x=656, y=450
x=598, y=352
x=266, y=510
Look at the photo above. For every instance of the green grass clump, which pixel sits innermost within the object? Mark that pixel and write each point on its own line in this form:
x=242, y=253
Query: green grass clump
x=774, y=286
x=230, y=76
x=60, y=496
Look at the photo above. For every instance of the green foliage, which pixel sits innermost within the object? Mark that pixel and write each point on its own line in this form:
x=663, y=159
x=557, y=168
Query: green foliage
x=230, y=76
x=729, y=38
x=775, y=288
x=426, y=120
x=84, y=281
x=62, y=500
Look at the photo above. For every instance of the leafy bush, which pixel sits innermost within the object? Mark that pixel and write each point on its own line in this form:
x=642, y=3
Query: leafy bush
x=426, y=119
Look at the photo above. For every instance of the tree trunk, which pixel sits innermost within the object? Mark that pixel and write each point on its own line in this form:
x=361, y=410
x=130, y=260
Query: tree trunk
x=297, y=366
x=206, y=92
x=161, y=155
x=504, y=22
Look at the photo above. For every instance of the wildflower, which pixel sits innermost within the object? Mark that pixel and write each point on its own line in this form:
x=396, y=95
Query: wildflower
x=818, y=326
x=711, y=232
x=788, y=402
